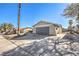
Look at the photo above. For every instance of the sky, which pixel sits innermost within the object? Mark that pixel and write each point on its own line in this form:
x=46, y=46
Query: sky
x=31, y=13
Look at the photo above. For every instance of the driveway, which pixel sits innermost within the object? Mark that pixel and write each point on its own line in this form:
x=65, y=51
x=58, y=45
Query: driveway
x=48, y=46
x=26, y=45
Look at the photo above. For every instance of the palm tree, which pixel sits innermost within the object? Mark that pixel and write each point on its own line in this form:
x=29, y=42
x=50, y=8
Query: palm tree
x=6, y=26
x=72, y=11
x=10, y=26
x=19, y=18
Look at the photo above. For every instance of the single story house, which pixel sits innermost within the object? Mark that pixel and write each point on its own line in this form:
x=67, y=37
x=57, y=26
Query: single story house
x=28, y=29
x=47, y=28
x=21, y=30
x=24, y=30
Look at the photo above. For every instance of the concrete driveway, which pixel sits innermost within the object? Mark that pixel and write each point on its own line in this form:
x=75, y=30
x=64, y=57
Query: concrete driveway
x=19, y=45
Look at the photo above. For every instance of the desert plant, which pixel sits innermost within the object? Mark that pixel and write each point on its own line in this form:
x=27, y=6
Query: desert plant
x=6, y=26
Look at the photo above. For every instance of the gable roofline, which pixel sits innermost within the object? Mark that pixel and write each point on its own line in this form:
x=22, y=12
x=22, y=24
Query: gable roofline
x=58, y=25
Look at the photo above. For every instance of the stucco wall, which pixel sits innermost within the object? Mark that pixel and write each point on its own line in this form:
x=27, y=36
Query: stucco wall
x=52, y=30
x=60, y=29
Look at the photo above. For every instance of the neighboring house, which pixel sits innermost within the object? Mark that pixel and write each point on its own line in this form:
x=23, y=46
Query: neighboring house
x=28, y=29
x=47, y=28
x=21, y=30
x=25, y=30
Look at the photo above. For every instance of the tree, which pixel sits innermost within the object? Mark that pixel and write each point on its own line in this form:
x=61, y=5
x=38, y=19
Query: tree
x=6, y=26
x=72, y=11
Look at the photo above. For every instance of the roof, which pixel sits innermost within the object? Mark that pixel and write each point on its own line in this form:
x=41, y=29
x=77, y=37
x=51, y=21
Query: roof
x=58, y=25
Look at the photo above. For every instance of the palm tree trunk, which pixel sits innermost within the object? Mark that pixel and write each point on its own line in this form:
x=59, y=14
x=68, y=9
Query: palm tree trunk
x=19, y=18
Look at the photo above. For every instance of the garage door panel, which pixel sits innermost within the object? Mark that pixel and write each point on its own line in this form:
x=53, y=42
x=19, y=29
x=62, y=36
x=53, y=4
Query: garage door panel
x=42, y=30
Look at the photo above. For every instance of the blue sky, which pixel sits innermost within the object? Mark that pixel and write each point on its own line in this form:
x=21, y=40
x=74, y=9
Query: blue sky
x=31, y=13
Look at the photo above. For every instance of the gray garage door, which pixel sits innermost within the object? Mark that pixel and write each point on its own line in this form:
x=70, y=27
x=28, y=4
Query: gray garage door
x=42, y=30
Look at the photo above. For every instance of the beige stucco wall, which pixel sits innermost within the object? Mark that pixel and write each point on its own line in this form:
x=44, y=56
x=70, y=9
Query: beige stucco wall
x=52, y=30
x=60, y=29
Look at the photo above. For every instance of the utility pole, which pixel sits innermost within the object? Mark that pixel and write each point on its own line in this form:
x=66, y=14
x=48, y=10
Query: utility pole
x=19, y=8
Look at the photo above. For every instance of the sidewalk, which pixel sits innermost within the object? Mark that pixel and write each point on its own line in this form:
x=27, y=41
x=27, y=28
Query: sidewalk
x=5, y=45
